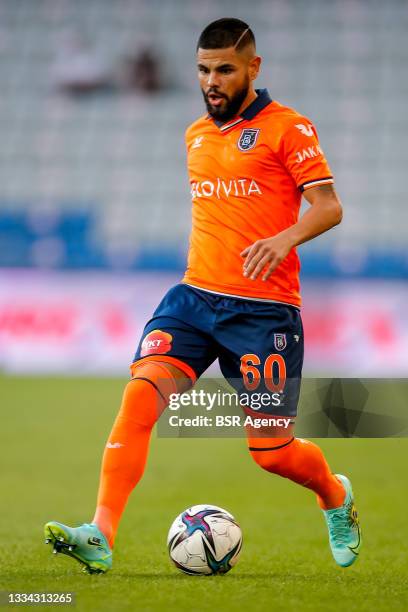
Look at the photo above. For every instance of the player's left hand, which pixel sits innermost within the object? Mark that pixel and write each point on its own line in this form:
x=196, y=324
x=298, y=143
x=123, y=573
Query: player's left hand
x=266, y=255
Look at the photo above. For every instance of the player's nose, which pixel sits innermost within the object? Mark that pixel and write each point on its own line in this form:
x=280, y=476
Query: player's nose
x=212, y=79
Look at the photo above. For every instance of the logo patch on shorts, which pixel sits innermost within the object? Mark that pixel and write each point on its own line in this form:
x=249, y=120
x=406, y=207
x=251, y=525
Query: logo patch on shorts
x=156, y=342
x=248, y=139
x=279, y=341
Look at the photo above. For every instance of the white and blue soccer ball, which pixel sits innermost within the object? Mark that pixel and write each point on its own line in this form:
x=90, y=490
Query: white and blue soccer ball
x=204, y=540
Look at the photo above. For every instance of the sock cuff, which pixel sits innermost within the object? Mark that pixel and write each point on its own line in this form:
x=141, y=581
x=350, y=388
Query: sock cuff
x=184, y=367
x=271, y=448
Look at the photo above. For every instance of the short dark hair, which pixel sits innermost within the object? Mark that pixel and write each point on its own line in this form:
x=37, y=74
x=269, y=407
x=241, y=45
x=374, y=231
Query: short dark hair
x=225, y=33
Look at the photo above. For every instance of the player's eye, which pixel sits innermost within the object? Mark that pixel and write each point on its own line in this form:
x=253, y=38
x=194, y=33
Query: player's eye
x=226, y=70
x=203, y=70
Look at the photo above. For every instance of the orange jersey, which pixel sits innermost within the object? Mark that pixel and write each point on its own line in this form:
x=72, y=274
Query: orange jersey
x=247, y=178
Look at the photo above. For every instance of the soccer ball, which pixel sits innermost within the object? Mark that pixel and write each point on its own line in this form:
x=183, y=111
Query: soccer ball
x=204, y=540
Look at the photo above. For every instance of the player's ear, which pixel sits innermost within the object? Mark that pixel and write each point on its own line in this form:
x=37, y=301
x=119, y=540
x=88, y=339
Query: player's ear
x=254, y=67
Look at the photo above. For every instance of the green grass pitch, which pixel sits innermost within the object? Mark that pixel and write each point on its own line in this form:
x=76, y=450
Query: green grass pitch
x=51, y=439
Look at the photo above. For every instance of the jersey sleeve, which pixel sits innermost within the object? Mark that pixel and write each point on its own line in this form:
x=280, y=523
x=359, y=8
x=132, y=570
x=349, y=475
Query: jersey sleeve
x=302, y=156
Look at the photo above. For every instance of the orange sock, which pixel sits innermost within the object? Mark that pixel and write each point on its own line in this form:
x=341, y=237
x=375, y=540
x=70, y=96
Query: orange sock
x=125, y=454
x=301, y=461
x=144, y=399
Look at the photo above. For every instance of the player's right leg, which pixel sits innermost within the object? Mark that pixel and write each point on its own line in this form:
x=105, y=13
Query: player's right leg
x=144, y=398
x=171, y=354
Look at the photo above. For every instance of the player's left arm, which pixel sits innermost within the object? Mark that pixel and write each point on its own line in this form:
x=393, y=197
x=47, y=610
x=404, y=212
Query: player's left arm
x=324, y=213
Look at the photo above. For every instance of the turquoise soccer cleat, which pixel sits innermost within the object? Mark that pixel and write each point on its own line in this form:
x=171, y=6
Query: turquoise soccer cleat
x=86, y=544
x=344, y=528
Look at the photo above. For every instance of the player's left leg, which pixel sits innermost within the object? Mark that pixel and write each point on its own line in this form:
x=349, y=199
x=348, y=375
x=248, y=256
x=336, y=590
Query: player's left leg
x=303, y=462
x=264, y=346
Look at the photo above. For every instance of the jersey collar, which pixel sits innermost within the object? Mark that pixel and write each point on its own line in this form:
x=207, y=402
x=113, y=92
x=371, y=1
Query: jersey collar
x=261, y=101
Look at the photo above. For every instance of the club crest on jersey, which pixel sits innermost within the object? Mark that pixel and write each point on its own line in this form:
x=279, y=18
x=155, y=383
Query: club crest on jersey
x=156, y=342
x=248, y=139
x=279, y=341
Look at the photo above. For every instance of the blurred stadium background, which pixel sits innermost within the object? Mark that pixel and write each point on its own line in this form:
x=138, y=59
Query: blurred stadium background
x=94, y=197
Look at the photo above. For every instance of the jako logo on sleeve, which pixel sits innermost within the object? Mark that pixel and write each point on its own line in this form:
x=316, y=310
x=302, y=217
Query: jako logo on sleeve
x=308, y=153
x=156, y=342
x=197, y=142
x=307, y=130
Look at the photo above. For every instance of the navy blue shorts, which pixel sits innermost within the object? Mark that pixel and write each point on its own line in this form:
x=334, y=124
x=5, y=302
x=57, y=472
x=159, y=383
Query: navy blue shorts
x=259, y=345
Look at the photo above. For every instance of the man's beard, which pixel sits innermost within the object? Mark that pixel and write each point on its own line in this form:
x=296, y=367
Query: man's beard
x=232, y=106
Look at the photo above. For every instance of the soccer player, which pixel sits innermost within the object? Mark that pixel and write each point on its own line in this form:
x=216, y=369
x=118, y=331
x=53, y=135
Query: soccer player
x=250, y=160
